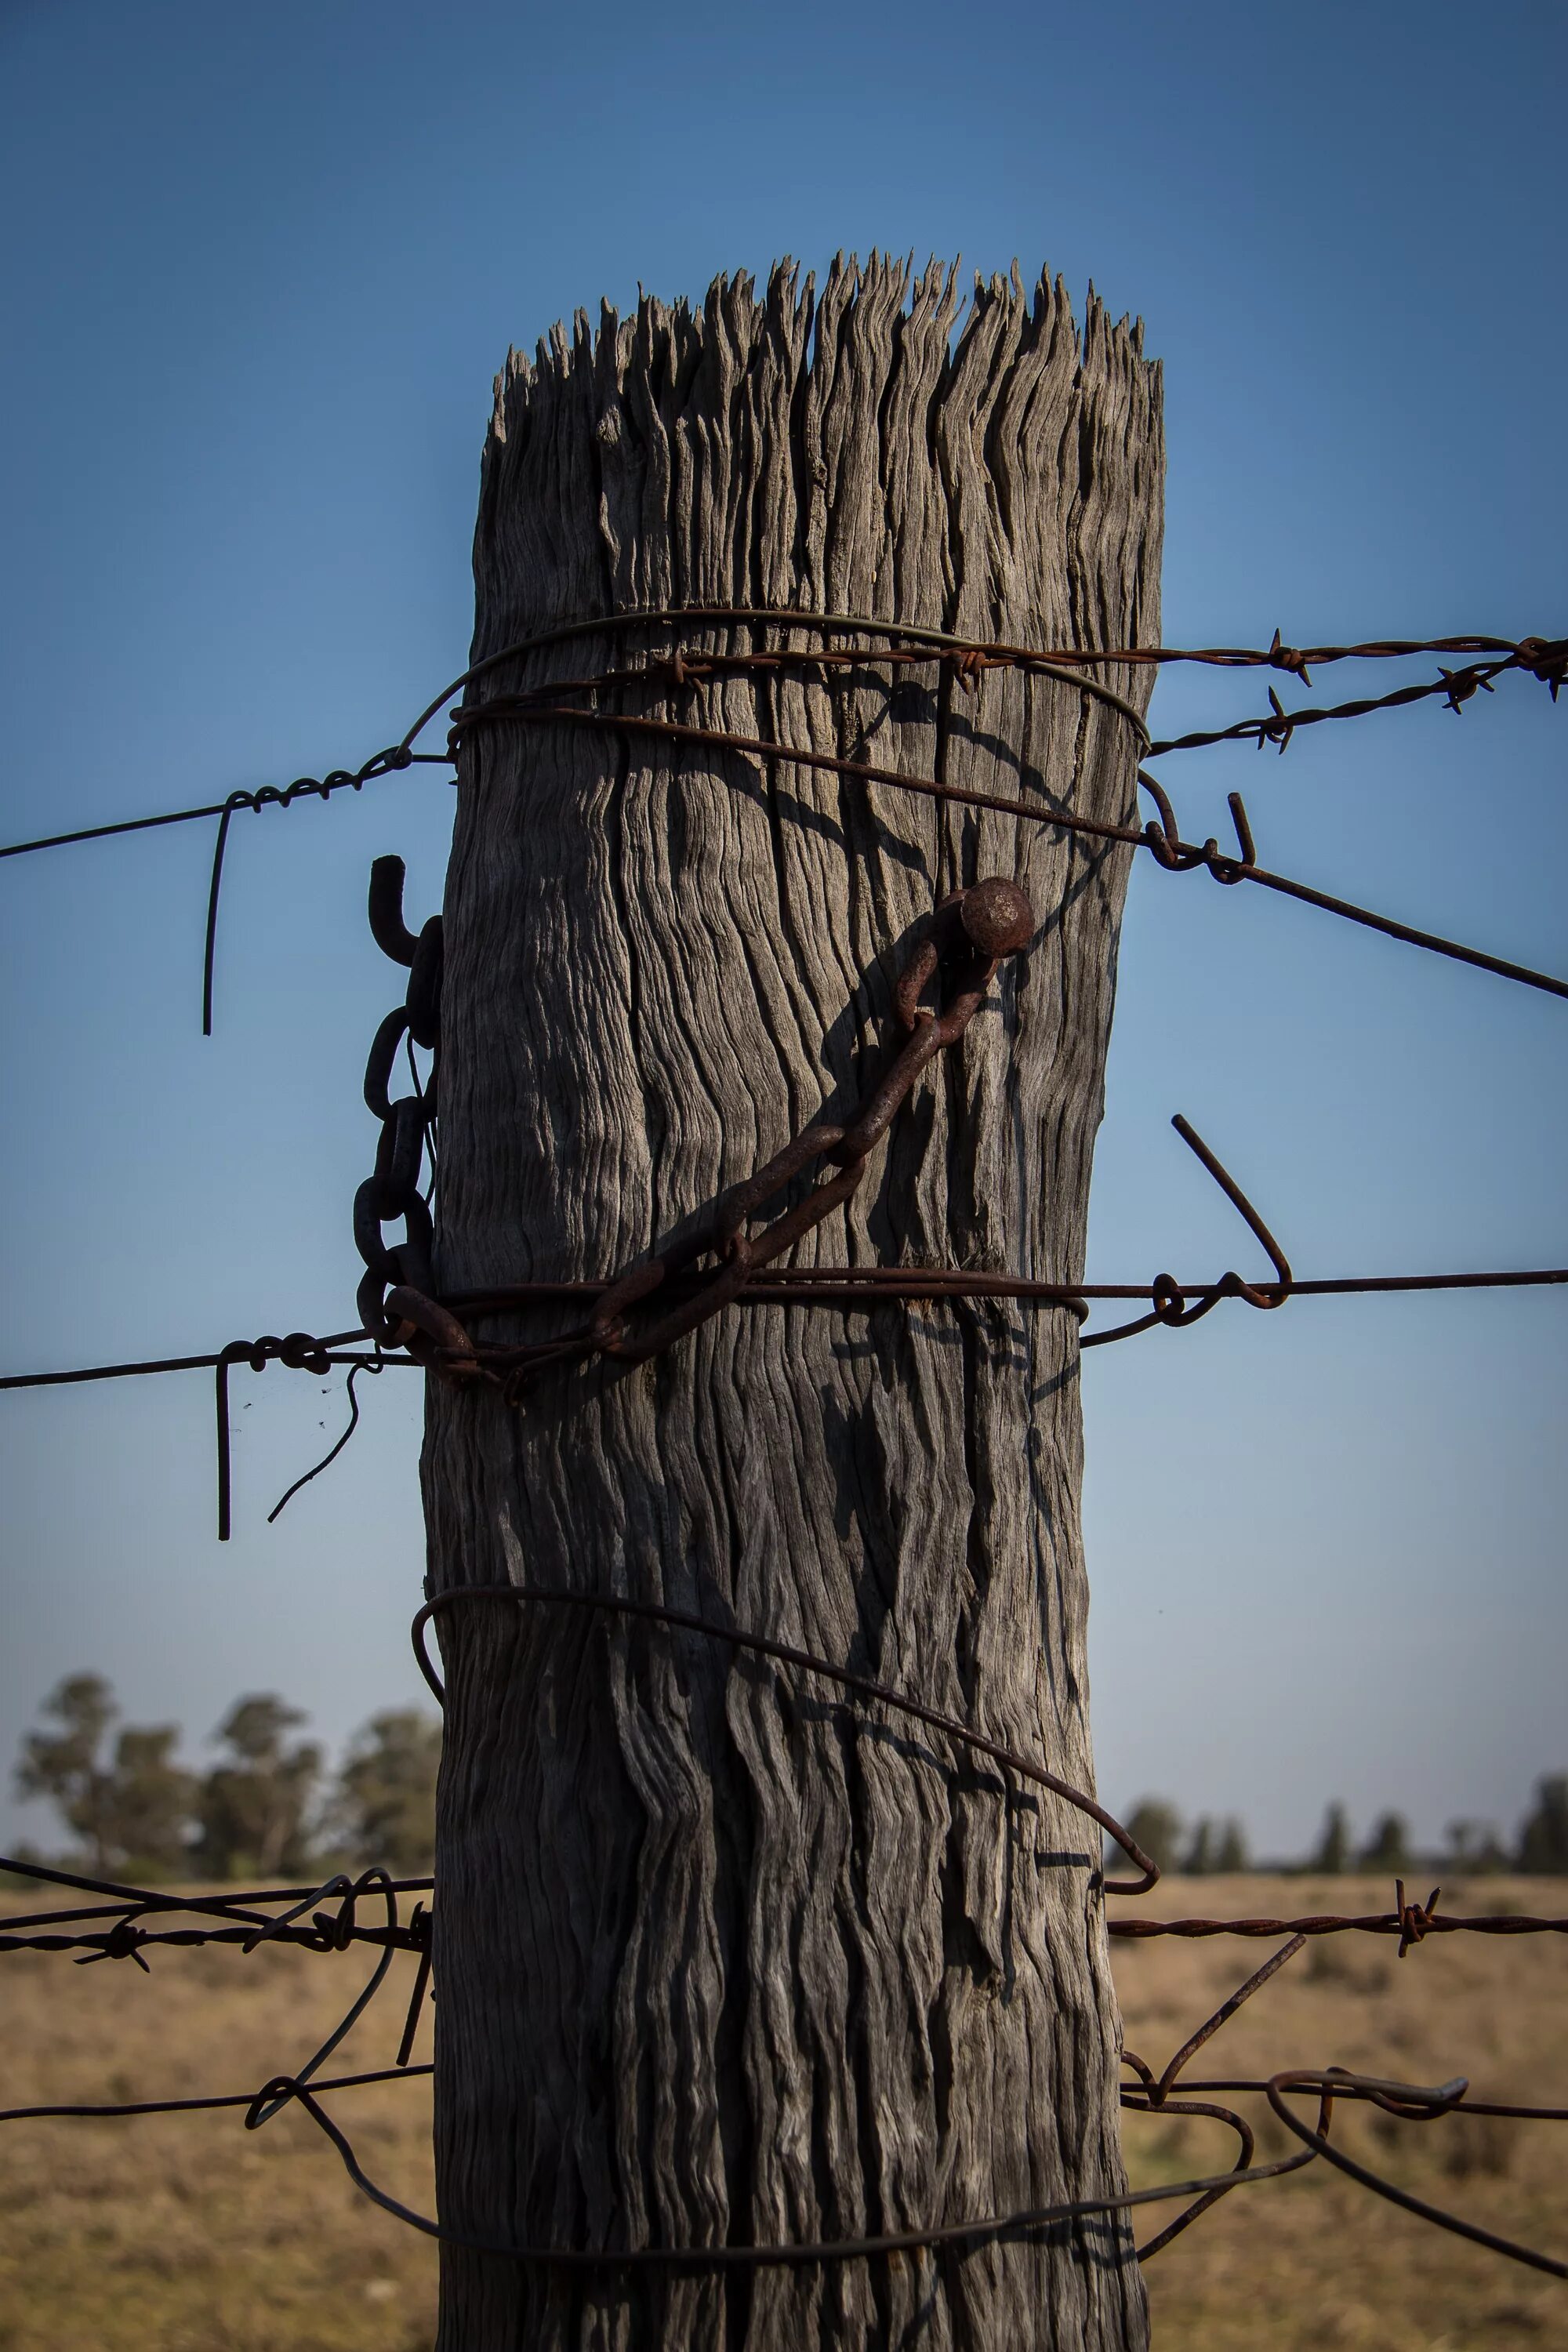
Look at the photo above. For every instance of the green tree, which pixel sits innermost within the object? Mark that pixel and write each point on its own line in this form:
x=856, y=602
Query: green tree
x=1387, y=1852
x=255, y=1807
x=1198, y=1860
x=1474, y=1847
x=66, y=1765
x=133, y=1809
x=1156, y=1826
x=386, y=1791
x=1543, y=1837
x=1332, y=1851
x=1231, y=1855
x=148, y=1803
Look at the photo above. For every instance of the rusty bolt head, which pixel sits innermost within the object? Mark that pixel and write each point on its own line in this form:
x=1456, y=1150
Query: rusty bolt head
x=997, y=916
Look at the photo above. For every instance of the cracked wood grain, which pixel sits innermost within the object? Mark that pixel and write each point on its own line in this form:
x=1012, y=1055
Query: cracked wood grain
x=719, y=1958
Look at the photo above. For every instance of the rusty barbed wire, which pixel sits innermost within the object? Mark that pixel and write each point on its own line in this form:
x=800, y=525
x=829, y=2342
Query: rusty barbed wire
x=1545, y=659
x=123, y=1936
x=393, y=1194
x=1536, y=657
x=541, y=705
x=902, y=645
x=1400, y=1922
x=958, y=947
x=239, y=1923
x=417, y=1319
x=238, y=1908
x=1148, y=2094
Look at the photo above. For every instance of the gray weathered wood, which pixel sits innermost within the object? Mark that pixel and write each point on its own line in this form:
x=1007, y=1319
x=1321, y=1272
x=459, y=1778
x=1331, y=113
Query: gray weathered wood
x=719, y=1957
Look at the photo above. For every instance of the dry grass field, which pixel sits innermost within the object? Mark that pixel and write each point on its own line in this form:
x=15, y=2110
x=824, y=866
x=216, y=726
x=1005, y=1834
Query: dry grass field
x=187, y=2235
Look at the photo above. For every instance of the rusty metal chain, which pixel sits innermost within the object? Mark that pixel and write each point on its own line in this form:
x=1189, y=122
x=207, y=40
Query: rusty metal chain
x=959, y=947
x=393, y=1192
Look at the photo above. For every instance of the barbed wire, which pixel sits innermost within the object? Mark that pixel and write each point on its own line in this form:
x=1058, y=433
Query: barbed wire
x=906, y=645
x=1148, y=2094
x=1545, y=659
x=683, y=671
x=956, y=951
x=1408, y=1922
x=1411, y=1922
x=397, y=1296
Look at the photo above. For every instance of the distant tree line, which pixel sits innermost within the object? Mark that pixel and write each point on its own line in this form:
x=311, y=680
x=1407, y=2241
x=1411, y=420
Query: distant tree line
x=268, y=1809
x=1209, y=1847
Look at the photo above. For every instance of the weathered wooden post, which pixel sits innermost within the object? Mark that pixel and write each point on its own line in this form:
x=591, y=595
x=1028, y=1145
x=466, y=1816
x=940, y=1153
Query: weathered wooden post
x=721, y=1958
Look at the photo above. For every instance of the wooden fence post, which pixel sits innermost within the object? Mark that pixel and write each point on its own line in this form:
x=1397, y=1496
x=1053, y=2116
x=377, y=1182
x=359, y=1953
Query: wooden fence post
x=719, y=1957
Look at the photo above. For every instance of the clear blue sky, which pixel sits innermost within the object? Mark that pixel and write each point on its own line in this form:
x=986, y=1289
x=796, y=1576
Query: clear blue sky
x=260, y=267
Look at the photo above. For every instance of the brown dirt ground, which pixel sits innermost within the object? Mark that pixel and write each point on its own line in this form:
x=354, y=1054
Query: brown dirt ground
x=187, y=2235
